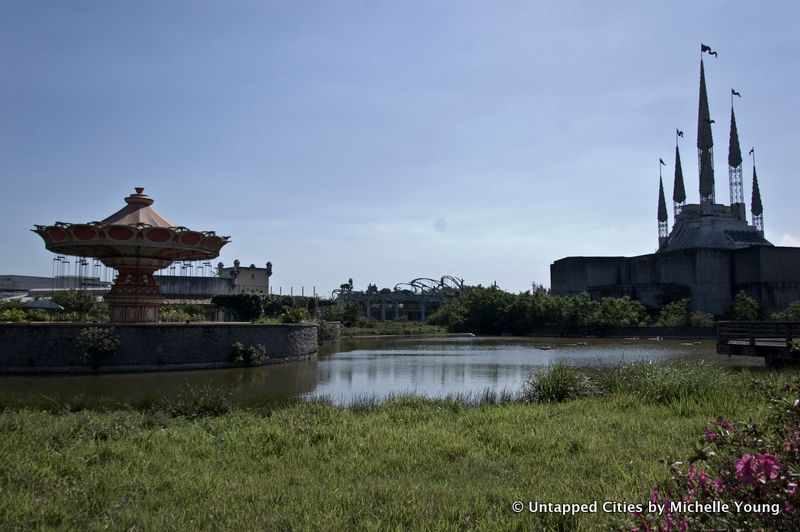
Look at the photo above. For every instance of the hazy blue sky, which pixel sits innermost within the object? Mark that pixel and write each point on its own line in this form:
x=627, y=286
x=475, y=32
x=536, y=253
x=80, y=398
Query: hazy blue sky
x=388, y=140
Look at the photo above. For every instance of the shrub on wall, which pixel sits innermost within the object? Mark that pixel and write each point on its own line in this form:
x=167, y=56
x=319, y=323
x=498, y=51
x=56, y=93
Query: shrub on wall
x=97, y=344
x=181, y=313
x=248, y=355
x=294, y=315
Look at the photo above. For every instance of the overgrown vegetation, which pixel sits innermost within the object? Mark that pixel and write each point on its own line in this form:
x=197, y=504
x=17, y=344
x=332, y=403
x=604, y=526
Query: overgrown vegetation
x=409, y=463
x=252, y=307
x=185, y=313
x=494, y=311
x=248, y=355
x=81, y=306
x=791, y=313
x=391, y=328
x=97, y=344
x=745, y=308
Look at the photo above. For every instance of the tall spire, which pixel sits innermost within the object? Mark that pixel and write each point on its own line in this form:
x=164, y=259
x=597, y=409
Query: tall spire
x=705, y=143
x=756, y=208
x=662, y=214
x=735, y=161
x=678, y=190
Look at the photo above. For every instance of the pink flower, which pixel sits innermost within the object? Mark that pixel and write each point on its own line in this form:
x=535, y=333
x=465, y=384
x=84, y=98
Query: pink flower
x=759, y=468
x=792, y=489
x=718, y=485
x=745, y=469
x=710, y=435
x=725, y=424
x=768, y=465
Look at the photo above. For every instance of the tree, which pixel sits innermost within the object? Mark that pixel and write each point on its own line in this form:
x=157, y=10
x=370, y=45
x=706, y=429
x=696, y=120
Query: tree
x=675, y=314
x=745, y=308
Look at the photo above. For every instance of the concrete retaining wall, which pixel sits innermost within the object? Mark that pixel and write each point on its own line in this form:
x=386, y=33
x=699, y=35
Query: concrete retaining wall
x=53, y=348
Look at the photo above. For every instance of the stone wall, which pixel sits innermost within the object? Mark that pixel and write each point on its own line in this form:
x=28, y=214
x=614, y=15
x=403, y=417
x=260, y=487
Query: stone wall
x=53, y=348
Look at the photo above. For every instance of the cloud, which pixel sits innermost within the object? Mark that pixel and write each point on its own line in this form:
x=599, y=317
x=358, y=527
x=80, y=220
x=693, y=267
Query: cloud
x=789, y=240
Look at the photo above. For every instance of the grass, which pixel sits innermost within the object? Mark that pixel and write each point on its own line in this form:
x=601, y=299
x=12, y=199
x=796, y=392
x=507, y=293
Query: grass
x=410, y=462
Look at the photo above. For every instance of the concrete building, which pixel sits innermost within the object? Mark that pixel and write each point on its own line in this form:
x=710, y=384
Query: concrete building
x=250, y=280
x=174, y=288
x=711, y=253
x=31, y=286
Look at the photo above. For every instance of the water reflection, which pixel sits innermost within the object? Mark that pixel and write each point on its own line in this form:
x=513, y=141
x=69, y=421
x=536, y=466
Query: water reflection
x=431, y=366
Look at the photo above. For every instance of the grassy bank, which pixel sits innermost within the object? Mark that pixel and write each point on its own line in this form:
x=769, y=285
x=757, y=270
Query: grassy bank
x=407, y=463
x=391, y=328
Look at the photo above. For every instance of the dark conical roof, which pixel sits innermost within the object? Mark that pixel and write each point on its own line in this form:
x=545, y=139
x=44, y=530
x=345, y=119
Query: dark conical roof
x=705, y=140
x=662, y=204
x=678, y=191
x=755, y=205
x=734, y=153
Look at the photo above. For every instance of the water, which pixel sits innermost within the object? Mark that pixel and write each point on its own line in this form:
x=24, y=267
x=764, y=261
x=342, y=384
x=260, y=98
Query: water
x=355, y=368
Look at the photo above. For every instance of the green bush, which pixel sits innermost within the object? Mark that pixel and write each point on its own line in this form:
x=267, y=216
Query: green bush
x=618, y=312
x=745, y=308
x=80, y=305
x=294, y=315
x=791, y=313
x=451, y=315
x=12, y=315
x=556, y=383
x=37, y=315
x=675, y=314
x=97, y=344
x=248, y=355
x=701, y=319
x=181, y=313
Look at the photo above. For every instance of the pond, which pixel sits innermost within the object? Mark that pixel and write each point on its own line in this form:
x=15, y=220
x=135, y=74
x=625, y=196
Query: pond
x=380, y=367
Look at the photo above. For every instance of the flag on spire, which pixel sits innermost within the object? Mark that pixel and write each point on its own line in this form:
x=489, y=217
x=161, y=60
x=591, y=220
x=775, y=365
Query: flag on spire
x=704, y=48
x=734, y=93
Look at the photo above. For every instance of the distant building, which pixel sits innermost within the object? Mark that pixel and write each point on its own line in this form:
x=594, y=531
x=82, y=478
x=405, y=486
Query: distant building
x=30, y=286
x=414, y=300
x=249, y=280
x=231, y=280
x=710, y=254
x=174, y=288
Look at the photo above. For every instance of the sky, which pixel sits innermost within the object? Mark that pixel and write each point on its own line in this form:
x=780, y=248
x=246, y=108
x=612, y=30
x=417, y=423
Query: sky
x=388, y=140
